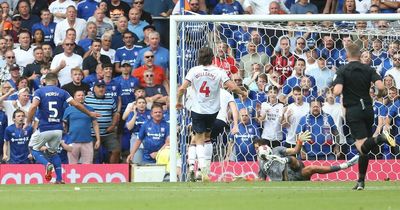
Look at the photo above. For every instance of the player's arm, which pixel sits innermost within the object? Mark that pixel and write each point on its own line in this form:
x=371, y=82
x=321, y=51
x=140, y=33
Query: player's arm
x=181, y=91
x=301, y=138
x=234, y=88
x=235, y=117
x=31, y=111
x=82, y=108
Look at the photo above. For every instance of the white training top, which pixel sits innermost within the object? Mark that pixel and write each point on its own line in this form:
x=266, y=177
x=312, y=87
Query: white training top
x=64, y=75
x=337, y=113
x=298, y=111
x=206, y=82
x=225, y=99
x=272, y=127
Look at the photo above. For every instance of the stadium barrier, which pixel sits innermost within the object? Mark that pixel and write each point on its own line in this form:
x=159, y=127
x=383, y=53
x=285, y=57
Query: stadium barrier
x=91, y=173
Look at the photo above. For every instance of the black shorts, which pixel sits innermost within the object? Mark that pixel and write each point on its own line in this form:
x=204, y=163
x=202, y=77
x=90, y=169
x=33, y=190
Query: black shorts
x=202, y=123
x=360, y=121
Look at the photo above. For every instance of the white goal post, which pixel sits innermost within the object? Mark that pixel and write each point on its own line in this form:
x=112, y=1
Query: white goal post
x=175, y=20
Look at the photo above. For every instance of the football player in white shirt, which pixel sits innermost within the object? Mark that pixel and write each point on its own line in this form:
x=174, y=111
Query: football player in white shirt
x=206, y=81
x=270, y=117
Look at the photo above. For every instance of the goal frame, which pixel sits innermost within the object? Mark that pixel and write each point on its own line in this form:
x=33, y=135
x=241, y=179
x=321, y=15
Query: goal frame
x=173, y=63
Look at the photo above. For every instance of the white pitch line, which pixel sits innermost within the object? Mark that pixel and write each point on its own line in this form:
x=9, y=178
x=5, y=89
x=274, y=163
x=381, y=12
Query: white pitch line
x=199, y=189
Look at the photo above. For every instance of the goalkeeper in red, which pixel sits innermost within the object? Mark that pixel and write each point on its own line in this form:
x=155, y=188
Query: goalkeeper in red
x=206, y=81
x=280, y=164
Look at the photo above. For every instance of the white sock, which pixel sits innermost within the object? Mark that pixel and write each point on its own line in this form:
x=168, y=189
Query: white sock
x=200, y=151
x=192, y=156
x=208, y=147
x=343, y=165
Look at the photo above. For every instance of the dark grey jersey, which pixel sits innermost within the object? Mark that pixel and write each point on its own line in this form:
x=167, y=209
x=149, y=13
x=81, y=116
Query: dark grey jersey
x=278, y=171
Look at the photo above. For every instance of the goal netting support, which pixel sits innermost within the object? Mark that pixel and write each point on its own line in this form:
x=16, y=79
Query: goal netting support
x=318, y=39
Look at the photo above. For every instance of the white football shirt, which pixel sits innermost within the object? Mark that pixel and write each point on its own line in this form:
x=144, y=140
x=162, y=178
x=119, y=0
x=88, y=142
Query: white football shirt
x=206, y=82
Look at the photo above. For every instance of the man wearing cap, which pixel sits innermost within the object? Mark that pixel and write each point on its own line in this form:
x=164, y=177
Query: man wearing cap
x=129, y=52
x=24, y=52
x=128, y=84
x=15, y=75
x=107, y=107
x=146, y=31
x=16, y=27
x=90, y=63
x=64, y=62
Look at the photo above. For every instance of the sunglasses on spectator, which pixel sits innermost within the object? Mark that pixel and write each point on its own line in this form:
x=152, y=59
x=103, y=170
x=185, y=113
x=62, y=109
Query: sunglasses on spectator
x=149, y=56
x=6, y=87
x=194, y=4
x=69, y=44
x=138, y=2
x=396, y=59
x=10, y=57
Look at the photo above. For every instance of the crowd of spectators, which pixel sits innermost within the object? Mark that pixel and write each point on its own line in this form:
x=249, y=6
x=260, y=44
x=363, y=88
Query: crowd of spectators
x=112, y=56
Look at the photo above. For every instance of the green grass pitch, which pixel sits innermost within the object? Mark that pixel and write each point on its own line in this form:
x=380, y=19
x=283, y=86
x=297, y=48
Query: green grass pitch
x=203, y=196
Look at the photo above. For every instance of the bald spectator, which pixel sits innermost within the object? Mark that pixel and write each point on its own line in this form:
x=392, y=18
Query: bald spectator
x=102, y=26
x=70, y=22
x=103, y=7
x=161, y=54
x=122, y=27
x=135, y=25
x=150, y=66
x=64, y=62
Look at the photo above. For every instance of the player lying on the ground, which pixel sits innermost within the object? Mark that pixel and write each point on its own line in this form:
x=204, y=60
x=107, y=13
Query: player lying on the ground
x=280, y=164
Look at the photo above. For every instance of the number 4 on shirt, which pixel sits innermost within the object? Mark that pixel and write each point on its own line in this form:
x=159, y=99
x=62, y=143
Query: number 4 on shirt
x=205, y=89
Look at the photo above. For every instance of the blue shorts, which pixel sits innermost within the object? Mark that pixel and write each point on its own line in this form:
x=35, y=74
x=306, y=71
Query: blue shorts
x=202, y=123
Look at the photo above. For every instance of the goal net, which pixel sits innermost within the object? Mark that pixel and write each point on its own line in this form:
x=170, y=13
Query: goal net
x=297, y=54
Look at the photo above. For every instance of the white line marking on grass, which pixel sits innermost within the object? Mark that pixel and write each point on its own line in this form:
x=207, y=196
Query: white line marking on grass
x=200, y=188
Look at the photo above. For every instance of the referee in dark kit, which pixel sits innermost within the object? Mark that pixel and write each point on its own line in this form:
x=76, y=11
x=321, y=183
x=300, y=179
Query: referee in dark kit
x=354, y=81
